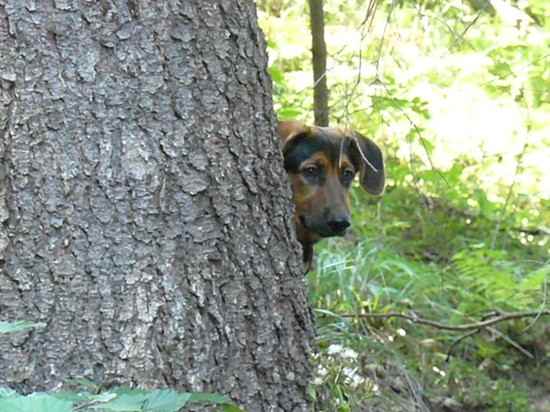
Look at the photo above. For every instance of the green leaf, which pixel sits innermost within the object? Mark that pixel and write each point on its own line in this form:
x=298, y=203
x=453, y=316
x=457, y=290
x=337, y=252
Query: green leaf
x=535, y=280
x=123, y=403
x=216, y=399
x=84, y=384
x=428, y=146
x=6, y=392
x=36, y=402
x=19, y=325
x=138, y=401
x=209, y=397
x=72, y=396
x=231, y=408
x=166, y=401
x=277, y=75
x=289, y=113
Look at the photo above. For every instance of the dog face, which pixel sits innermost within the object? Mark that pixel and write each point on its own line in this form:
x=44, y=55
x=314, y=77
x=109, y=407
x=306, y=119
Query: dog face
x=321, y=164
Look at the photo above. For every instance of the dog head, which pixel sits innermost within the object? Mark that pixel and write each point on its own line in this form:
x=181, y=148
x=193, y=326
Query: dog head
x=321, y=163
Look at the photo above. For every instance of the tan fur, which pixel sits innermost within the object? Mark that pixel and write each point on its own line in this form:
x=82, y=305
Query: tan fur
x=319, y=205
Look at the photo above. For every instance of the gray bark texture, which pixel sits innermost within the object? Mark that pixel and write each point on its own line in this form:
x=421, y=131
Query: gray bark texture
x=145, y=216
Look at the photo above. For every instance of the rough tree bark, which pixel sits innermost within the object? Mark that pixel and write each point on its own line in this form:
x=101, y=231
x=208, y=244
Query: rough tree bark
x=145, y=215
x=319, y=61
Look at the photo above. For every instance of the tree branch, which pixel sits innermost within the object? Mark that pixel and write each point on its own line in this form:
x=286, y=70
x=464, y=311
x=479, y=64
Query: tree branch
x=457, y=328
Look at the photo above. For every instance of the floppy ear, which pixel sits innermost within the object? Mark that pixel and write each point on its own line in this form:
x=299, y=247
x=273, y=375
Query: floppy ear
x=371, y=164
x=289, y=131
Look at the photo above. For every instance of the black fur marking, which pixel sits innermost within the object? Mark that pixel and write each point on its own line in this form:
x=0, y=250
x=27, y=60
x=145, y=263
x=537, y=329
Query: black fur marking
x=372, y=181
x=304, y=146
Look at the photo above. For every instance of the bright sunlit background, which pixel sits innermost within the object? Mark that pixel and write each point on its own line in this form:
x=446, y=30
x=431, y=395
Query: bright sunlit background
x=486, y=91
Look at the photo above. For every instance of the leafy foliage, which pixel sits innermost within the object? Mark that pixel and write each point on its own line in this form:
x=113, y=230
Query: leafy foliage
x=457, y=94
x=119, y=399
x=19, y=326
x=36, y=402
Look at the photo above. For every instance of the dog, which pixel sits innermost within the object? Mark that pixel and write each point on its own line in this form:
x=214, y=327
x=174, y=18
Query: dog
x=321, y=163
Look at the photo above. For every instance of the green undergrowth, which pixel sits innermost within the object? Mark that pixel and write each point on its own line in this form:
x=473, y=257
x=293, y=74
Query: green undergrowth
x=119, y=399
x=441, y=261
x=456, y=95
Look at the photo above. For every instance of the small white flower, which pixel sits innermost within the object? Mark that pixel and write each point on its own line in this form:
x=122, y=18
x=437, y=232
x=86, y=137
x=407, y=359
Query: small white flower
x=348, y=353
x=335, y=349
x=401, y=332
x=318, y=381
x=322, y=371
x=352, y=377
x=343, y=352
x=439, y=371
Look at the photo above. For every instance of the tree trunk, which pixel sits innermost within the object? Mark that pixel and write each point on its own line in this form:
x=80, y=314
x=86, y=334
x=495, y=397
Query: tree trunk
x=319, y=60
x=145, y=215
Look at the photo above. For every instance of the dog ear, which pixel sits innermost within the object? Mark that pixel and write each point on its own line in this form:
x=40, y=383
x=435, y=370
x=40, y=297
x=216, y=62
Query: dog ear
x=368, y=156
x=290, y=130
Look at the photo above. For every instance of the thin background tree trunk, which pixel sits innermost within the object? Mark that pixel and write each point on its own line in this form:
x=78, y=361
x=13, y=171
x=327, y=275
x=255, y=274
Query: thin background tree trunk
x=319, y=60
x=145, y=215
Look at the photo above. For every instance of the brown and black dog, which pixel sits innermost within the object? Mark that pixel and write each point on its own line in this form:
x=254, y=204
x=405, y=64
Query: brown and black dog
x=321, y=163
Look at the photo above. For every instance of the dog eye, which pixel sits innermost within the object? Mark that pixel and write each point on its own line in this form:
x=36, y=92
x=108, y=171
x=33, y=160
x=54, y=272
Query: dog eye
x=348, y=174
x=310, y=171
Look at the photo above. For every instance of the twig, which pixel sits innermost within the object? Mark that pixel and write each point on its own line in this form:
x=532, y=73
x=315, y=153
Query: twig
x=365, y=27
x=356, y=141
x=369, y=15
x=457, y=37
x=514, y=344
x=508, y=196
x=457, y=341
x=422, y=143
x=537, y=231
x=456, y=328
x=386, y=24
x=543, y=304
x=469, y=25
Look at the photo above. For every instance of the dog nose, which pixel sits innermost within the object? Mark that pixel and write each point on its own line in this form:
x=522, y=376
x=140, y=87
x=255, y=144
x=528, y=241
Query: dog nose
x=338, y=225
